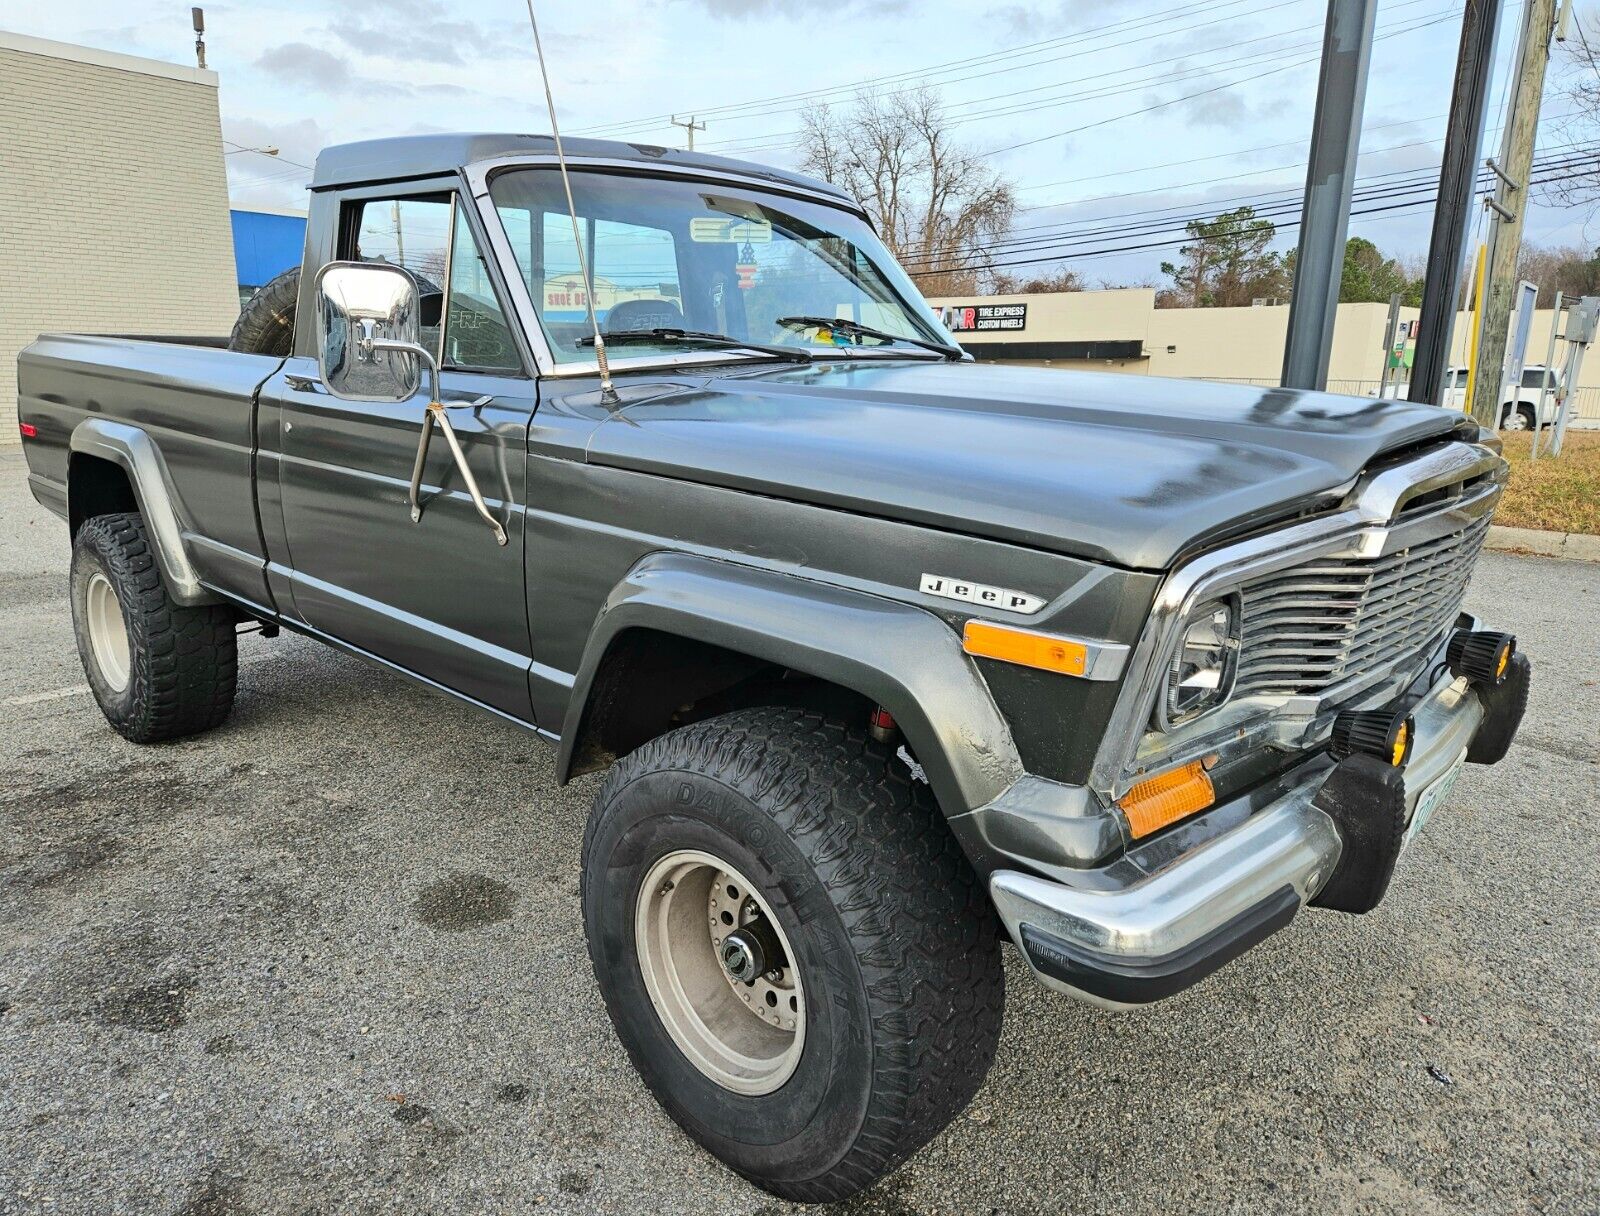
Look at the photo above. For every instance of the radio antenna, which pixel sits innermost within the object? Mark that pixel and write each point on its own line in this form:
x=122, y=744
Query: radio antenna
x=572, y=210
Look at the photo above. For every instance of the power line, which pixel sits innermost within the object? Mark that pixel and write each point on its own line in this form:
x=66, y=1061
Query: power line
x=1063, y=245
x=1161, y=105
x=1577, y=167
x=726, y=111
x=790, y=140
x=1213, y=203
x=1017, y=93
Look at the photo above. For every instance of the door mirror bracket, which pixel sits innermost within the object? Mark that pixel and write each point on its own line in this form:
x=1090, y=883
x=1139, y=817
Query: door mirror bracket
x=368, y=350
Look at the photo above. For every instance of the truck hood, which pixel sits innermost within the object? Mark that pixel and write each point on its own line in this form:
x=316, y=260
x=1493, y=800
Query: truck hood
x=1132, y=470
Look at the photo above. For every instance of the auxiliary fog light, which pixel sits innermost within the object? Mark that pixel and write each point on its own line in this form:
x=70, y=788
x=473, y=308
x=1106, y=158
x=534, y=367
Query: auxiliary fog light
x=1385, y=733
x=1481, y=655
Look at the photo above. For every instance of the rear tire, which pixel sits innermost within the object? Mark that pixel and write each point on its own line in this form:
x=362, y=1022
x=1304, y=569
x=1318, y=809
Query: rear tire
x=1518, y=418
x=896, y=961
x=159, y=670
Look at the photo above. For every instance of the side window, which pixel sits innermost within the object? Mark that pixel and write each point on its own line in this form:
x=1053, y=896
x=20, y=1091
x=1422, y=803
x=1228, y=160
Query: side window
x=416, y=233
x=1533, y=377
x=409, y=232
x=476, y=335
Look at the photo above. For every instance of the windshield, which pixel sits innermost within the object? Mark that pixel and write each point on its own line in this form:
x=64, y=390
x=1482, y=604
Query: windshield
x=668, y=254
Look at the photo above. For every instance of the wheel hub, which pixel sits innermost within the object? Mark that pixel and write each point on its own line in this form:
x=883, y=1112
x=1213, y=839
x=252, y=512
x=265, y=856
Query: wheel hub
x=742, y=957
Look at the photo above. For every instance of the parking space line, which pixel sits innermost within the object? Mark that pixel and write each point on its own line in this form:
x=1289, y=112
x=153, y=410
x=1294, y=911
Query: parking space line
x=76, y=690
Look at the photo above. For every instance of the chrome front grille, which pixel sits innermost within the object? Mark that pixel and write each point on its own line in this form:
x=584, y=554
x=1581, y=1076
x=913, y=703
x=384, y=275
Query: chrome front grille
x=1315, y=626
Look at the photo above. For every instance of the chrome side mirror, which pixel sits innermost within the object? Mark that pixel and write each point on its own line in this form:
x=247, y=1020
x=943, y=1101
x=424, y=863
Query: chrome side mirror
x=369, y=331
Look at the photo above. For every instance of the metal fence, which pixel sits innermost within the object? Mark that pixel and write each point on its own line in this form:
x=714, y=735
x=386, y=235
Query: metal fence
x=1585, y=405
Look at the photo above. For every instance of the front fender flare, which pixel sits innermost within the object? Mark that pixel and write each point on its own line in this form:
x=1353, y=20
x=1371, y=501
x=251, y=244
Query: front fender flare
x=138, y=456
x=898, y=656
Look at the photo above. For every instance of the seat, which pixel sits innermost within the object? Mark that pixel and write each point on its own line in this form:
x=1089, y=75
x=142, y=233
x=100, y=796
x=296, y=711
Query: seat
x=643, y=314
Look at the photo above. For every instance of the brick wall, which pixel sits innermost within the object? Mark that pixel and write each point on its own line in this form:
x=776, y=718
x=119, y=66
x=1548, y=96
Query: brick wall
x=113, y=201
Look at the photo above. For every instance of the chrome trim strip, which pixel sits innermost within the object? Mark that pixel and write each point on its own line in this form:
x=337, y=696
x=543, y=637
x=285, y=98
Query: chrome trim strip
x=1365, y=528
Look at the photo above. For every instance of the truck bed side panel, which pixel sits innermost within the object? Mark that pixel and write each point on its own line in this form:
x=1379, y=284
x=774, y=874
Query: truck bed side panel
x=196, y=403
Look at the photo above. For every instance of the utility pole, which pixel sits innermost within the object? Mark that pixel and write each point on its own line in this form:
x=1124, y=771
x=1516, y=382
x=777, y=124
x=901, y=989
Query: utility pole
x=689, y=125
x=1458, y=177
x=1330, y=173
x=1510, y=207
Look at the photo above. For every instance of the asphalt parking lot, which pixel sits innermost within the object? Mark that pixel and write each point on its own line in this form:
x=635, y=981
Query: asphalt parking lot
x=329, y=959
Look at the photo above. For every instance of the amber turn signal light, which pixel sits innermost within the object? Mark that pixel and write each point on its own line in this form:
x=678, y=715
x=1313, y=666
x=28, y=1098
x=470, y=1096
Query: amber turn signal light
x=987, y=640
x=1154, y=803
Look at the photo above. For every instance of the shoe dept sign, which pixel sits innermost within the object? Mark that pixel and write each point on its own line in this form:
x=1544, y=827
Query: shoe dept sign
x=976, y=318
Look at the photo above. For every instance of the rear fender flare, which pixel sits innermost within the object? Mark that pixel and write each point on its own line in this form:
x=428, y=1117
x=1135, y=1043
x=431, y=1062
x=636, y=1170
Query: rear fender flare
x=898, y=656
x=137, y=454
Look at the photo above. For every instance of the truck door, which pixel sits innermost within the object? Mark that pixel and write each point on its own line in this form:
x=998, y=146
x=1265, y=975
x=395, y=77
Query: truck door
x=439, y=596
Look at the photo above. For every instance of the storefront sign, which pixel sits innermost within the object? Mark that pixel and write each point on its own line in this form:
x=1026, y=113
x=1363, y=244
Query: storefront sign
x=977, y=318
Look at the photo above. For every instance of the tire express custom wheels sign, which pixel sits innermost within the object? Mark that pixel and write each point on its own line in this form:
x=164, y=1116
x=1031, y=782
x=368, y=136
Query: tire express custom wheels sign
x=976, y=318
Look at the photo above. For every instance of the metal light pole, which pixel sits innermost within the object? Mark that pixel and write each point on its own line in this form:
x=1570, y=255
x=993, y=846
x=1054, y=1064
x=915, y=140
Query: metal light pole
x=1458, y=177
x=1325, y=219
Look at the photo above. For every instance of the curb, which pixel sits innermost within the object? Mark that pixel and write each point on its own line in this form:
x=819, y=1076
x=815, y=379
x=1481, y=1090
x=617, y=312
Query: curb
x=1575, y=546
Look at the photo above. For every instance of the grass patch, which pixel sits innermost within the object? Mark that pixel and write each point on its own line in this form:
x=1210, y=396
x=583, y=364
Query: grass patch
x=1556, y=495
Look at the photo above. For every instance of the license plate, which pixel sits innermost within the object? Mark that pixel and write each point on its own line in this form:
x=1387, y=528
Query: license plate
x=1430, y=799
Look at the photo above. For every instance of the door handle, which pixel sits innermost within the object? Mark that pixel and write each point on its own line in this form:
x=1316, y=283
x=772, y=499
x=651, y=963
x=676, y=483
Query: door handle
x=302, y=384
x=437, y=413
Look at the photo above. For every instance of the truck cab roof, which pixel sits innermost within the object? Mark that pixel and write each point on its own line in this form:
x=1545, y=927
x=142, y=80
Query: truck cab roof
x=414, y=156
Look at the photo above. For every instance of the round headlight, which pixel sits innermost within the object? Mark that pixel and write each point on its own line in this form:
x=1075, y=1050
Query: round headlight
x=1201, y=675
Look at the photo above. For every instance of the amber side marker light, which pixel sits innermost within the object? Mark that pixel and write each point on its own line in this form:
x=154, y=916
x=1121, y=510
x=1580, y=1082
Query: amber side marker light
x=1168, y=797
x=990, y=641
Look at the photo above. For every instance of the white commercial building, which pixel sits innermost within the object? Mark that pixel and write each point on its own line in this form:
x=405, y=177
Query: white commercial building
x=113, y=200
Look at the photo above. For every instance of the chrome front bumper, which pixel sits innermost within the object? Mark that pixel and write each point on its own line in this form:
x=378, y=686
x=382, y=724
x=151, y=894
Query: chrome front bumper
x=1154, y=922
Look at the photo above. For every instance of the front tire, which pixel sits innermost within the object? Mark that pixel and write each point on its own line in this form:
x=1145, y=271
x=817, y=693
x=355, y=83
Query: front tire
x=158, y=669
x=882, y=944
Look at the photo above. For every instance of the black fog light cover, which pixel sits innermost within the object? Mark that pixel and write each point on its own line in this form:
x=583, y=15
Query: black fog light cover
x=1483, y=656
x=1385, y=733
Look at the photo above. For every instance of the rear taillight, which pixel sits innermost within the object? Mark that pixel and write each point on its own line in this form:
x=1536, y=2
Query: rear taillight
x=28, y=429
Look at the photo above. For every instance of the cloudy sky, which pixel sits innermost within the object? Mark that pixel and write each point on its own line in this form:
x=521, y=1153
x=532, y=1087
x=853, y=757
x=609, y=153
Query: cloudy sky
x=1114, y=119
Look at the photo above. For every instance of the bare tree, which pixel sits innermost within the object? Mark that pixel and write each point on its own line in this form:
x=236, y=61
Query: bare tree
x=1571, y=270
x=936, y=204
x=1578, y=77
x=1059, y=279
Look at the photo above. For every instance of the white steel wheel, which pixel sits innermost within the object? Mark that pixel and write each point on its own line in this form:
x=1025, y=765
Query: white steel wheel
x=719, y=972
x=108, y=633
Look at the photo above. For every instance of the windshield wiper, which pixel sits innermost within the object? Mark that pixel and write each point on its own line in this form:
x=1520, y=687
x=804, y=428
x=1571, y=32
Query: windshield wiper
x=866, y=331
x=673, y=337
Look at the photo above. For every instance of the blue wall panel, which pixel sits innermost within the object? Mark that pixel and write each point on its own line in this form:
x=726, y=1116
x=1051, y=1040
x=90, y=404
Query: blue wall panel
x=265, y=245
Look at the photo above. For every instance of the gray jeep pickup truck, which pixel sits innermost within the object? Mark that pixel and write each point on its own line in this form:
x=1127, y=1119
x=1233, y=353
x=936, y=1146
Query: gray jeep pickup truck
x=891, y=656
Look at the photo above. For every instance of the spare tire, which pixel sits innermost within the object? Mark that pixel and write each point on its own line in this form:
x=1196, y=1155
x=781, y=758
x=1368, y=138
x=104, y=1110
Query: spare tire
x=266, y=322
